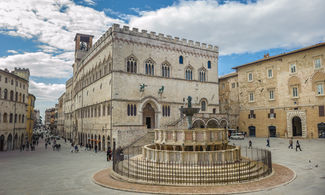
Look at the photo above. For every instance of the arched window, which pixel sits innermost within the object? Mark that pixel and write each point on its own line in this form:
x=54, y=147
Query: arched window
x=165, y=70
x=10, y=118
x=12, y=95
x=5, y=94
x=19, y=97
x=202, y=75
x=188, y=74
x=5, y=118
x=16, y=96
x=150, y=69
x=203, y=105
x=131, y=65
x=23, y=119
x=24, y=98
x=131, y=109
x=209, y=64
x=19, y=118
x=181, y=60
x=15, y=118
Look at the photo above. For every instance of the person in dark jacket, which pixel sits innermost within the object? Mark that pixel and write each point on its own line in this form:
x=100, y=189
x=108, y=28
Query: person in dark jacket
x=298, y=145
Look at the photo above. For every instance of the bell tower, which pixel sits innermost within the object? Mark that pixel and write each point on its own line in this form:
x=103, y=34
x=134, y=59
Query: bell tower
x=82, y=44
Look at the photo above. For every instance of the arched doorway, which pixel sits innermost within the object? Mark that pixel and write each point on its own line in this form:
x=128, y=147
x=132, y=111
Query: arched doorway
x=198, y=124
x=148, y=116
x=223, y=124
x=252, y=131
x=99, y=143
x=95, y=141
x=103, y=141
x=321, y=130
x=272, y=131
x=296, y=126
x=212, y=124
x=2, y=142
x=15, y=142
x=92, y=141
x=9, y=142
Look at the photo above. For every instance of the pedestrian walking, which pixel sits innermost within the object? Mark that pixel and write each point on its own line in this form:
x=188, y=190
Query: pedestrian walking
x=96, y=148
x=23, y=147
x=250, y=144
x=72, y=148
x=268, y=142
x=298, y=146
x=109, y=154
x=290, y=143
x=46, y=145
x=76, y=148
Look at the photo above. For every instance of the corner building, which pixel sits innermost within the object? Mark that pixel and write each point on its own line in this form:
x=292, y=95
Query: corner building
x=283, y=95
x=131, y=81
x=13, y=106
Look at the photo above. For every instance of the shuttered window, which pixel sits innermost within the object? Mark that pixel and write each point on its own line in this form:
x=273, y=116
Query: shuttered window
x=321, y=110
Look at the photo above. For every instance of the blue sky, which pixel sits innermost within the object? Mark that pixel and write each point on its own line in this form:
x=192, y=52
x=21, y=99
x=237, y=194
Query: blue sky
x=39, y=34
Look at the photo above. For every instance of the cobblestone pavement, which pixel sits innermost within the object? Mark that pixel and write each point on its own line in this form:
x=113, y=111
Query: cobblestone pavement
x=51, y=172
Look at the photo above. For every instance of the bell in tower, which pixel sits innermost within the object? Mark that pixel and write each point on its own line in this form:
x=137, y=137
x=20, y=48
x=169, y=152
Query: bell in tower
x=82, y=44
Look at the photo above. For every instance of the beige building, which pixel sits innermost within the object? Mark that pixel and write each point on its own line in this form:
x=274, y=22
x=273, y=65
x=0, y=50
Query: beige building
x=13, y=106
x=67, y=109
x=229, y=99
x=283, y=95
x=60, y=113
x=130, y=81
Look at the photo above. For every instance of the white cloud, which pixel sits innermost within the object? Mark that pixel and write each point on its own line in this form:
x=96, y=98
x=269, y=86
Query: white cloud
x=40, y=64
x=12, y=51
x=46, y=92
x=90, y=2
x=53, y=22
x=238, y=28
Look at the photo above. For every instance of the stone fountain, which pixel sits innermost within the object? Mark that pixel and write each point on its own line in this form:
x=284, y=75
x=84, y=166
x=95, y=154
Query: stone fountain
x=190, y=156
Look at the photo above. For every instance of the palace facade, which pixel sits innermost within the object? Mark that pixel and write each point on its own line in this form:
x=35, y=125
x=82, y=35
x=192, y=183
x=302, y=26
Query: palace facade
x=131, y=81
x=283, y=95
x=13, y=106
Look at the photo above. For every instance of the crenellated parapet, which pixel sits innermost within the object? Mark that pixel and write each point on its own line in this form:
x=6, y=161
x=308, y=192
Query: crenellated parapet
x=162, y=37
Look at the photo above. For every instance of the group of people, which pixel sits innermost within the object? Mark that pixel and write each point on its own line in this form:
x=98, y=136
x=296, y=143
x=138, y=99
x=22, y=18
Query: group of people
x=268, y=144
x=31, y=145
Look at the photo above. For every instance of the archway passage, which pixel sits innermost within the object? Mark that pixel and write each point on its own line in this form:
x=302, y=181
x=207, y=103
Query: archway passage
x=223, y=124
x=2, y=142
x=212, y=124
x=272, y=131
x=321, y=130
x=9, y=142
x=296, y=126
x=198, y=124
x=148, y=116
x=252, y=131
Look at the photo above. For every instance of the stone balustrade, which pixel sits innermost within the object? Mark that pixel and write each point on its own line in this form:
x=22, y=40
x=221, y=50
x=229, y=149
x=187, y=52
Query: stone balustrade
x=208, y=136
x=151, y=154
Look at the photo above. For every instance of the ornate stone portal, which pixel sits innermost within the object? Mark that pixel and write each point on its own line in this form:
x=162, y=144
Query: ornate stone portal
x=291, y=114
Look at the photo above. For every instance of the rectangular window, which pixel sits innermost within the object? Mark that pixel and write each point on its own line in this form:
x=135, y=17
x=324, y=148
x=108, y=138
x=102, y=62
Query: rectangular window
x=293, y=68
x=271, y=94
x=320, y=89
x=321, y=111
x=251, y=96
x=251, y=114
x=233, y=85
x=317, y=63
x=269, y=73
x=294, y=92
x=250, y=76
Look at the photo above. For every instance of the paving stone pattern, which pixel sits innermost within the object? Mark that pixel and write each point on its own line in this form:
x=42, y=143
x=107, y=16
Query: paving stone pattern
x=51, y=172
